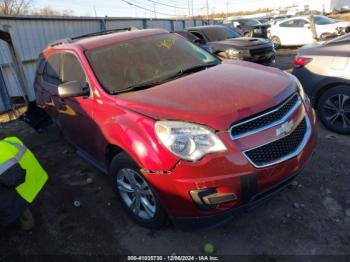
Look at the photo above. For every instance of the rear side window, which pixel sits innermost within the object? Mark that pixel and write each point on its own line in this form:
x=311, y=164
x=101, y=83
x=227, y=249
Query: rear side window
x=52, y=70
x=294, y=23
x=72, y=69
x=187, y=35
x=198, y=35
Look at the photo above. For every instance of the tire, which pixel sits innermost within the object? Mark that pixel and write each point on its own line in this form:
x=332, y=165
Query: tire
x=276, y=42
x=248, y=34
x=334, y=109
x=146, y=210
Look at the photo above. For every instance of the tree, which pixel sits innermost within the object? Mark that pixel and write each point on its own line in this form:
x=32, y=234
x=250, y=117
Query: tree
x=48, y=11
x=14, y=7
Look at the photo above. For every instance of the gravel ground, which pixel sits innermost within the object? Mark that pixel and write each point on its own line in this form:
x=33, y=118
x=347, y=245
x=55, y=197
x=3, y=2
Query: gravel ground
x=312, y=217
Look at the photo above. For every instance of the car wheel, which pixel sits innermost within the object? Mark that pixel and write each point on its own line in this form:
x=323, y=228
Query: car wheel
x=248, y=34
x=135, y=193
x=334, y=109
x=276, y=42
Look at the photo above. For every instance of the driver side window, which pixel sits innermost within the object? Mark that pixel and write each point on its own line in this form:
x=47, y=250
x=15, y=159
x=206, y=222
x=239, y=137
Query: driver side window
x=72, y=69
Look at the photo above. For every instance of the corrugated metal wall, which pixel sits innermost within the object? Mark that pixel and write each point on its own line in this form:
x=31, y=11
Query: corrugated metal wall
x=31, y=35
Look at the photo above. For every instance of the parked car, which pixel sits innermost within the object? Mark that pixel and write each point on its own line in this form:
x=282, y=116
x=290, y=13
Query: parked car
x=182, y=134
x=249, y=27
x=195, y=40
x=324, y=71
x=229, y=44
x=297, y=31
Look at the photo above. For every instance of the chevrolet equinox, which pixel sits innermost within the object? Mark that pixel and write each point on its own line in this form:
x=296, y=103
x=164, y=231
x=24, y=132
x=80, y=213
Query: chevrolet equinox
x=182, y=134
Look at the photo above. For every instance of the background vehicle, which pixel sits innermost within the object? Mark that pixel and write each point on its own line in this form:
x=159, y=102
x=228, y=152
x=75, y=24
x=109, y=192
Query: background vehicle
x=182, y=134
x=297, y=31
x=195, y=40
x=324, y=71
x=228, y=44
x=249, y=27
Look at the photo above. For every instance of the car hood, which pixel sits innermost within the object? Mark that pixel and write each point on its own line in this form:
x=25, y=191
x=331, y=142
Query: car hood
x=215, y=97
x=244, y=41
x=342, y=24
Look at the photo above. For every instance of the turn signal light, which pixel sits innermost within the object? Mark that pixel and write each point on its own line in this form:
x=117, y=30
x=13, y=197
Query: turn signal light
x=300, y=61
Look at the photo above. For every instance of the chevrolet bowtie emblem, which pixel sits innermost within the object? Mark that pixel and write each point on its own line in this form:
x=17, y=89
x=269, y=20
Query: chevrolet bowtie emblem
x=285, y=128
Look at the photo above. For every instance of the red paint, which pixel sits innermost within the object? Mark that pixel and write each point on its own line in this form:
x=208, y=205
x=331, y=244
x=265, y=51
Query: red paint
x=216, y=97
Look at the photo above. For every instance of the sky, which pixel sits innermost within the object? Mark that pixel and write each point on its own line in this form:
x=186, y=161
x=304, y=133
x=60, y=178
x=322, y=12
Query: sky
x=163, y=8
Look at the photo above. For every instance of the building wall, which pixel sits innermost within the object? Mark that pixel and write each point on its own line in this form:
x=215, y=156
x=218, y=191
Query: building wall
x=31, y=35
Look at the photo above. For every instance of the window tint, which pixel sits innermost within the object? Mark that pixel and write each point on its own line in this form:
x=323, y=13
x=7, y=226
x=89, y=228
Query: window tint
x=52, y=70
x=198, y=35
x=72, y=70
x=322, y=20
x=220, y=33
x=250, y=22
x=150, y=59
x=294, y=23
x=187, y=35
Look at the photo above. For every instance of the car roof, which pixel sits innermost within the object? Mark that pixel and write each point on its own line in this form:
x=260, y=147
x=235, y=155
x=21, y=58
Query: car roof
x=205, y=27
x=88, y=43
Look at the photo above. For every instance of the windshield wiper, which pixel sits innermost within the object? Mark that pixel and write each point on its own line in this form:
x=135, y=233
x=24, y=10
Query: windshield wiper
x=136, y=87
x=178, y=74
x=194, y=69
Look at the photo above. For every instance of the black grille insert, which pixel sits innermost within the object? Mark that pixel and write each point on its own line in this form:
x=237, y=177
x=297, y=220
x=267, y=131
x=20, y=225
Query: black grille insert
x=247, y=125
x=261, y=51
x=278, y=149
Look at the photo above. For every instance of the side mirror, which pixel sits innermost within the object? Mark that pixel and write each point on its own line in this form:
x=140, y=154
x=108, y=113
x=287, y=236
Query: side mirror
x=307, y=26
x=72, y=89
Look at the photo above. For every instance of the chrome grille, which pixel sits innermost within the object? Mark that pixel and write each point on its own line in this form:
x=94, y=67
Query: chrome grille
x=265, y=120
x=281, y=149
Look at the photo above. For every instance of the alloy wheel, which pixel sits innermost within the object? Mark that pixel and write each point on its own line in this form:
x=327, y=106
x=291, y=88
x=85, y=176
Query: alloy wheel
x=136, y=193
x=276, y=42
x=337, y=111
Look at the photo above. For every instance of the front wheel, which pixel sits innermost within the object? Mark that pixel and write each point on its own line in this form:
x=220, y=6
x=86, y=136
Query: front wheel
x=136, y=195
x=248, y=34
x=334, y=109
x=276, y=42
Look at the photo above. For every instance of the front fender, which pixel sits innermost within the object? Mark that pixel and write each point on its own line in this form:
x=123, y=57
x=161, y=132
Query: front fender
x=135, y=134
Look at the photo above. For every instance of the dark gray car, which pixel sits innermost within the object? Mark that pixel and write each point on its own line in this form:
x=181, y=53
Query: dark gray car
x=229, y=44
x=324, y=72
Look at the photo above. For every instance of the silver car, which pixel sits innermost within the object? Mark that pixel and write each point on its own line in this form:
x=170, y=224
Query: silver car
x=324, y=72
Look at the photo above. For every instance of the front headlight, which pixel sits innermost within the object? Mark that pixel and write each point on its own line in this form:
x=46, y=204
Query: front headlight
x=232, y=53
x=188, y=141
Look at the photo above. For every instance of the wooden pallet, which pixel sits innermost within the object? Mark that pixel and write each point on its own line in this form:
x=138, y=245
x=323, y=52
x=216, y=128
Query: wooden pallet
x=14, y=114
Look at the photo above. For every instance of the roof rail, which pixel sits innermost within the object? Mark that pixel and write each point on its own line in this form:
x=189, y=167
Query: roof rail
x=60, y=42
x=105, y=32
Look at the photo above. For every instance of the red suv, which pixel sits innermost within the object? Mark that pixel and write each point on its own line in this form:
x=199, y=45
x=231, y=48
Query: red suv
x=183, y=135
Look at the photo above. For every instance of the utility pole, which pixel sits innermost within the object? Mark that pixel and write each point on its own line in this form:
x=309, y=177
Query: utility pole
x=95, y=11
x=226, y=10
x=189, y=9
x=208, y=11
x=192, y=9
x=154, y=10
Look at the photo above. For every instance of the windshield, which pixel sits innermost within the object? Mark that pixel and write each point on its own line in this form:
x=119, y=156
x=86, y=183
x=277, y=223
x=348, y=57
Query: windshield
x=250, y=22
x=322, y=20
x=220, y=33
x=152, y=59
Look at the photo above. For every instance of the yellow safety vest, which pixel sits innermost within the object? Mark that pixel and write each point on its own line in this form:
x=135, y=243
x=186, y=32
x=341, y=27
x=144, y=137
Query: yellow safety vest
x=13, y=151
